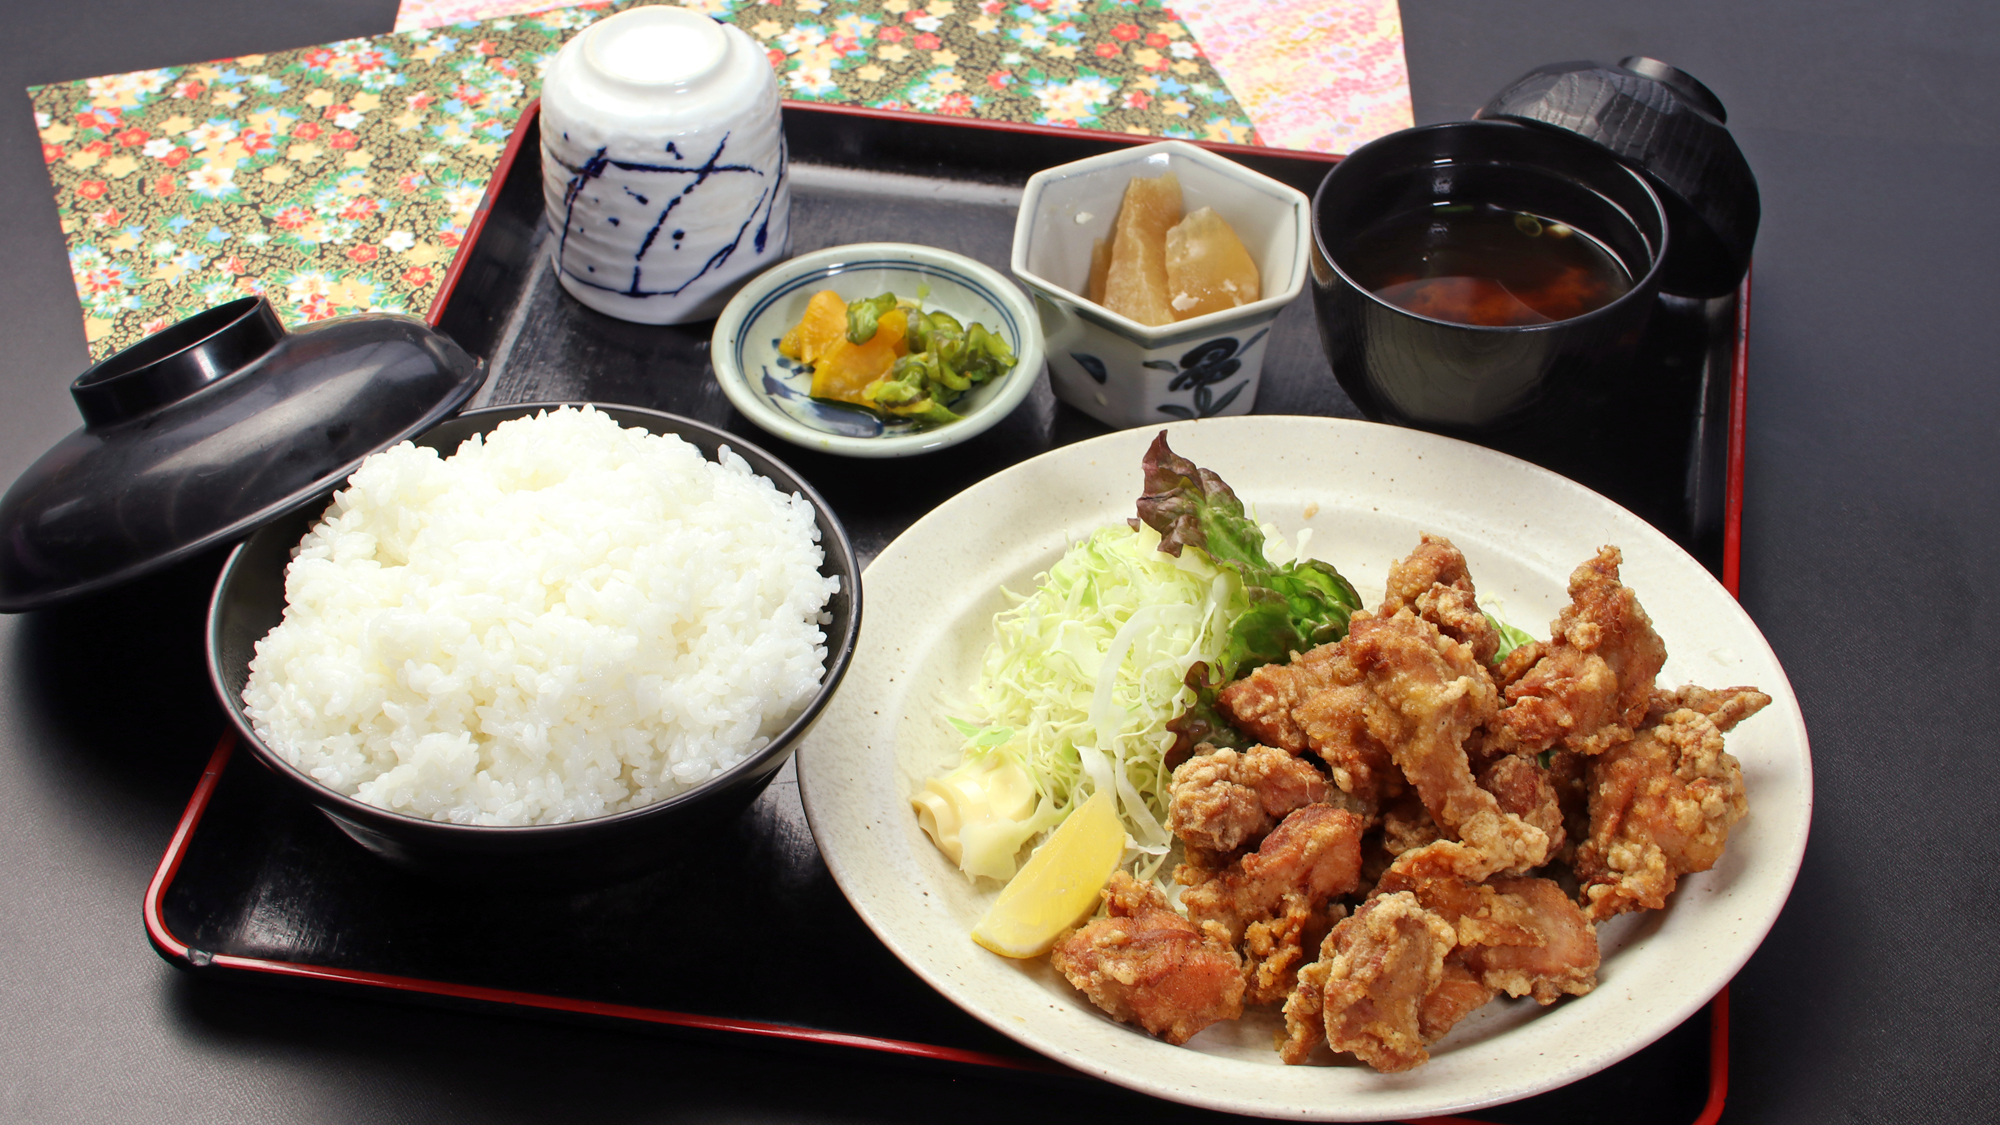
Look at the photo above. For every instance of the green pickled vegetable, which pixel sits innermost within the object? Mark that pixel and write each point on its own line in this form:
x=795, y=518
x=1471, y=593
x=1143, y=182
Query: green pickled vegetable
x=863, y=316
x=945, y=359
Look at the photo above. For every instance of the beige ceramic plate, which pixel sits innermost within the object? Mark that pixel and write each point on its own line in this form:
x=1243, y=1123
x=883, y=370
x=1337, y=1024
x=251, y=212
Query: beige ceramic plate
x=1366, y=491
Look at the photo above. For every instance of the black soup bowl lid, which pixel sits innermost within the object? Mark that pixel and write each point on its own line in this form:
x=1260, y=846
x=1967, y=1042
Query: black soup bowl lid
x=210, y=428
x=1673, y=130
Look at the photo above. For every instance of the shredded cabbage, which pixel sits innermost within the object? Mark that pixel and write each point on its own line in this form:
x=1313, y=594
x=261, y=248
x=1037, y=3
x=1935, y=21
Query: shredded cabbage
x=1085, y=673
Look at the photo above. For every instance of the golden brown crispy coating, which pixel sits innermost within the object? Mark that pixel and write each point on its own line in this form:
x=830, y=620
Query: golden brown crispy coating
x=1563, y=958
x=1305, y=1008
x=1569, y=774
x=1429, y=696
x=1661, y=806
x=1407, y=824
x=1428, y=950
x=1223, y=799
x=1261, y=703
x=1272, y=902
x=1147, y=965
x=1318, y=703
x=1524, y=789
x=1520, y=935
x=1591, y=687
x=1458, y=993
x=1386, y=960
x=1725, y=707
x=1433, y=582
x=1335, y=720
x=1516, y=664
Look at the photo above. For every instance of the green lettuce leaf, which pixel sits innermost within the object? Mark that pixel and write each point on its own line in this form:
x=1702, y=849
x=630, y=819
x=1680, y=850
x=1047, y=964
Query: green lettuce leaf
x=1294, y=607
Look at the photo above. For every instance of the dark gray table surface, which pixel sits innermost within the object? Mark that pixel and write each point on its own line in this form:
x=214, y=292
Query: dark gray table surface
x=1870, y=546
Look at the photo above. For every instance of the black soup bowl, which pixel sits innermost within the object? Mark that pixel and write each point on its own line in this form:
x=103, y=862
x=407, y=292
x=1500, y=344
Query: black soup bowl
x=1466, y=378
x=250, y=600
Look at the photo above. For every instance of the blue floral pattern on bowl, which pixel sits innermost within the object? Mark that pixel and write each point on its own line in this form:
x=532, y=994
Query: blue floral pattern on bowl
x=1186, y=386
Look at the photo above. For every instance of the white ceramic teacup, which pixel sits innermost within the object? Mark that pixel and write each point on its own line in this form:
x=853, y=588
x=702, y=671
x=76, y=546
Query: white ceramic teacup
x=663, y=164
x=1125, y=373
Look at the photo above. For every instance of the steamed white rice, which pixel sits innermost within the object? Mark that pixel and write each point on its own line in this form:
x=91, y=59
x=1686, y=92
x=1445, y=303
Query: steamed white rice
x=565, y=620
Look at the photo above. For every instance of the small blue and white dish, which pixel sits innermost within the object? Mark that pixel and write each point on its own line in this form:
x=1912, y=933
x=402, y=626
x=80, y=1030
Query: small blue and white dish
x=774, y=392
x=1115, y=369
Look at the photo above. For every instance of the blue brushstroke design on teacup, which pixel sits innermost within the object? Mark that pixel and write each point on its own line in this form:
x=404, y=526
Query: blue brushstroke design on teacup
x=599, y=164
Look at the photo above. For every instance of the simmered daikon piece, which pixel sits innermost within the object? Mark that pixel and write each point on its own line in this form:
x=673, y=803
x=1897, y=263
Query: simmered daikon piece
x=1135, y=284
x=1208, y=269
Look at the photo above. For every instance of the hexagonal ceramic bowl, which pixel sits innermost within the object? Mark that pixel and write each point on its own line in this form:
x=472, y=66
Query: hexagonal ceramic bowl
x=1125, y=373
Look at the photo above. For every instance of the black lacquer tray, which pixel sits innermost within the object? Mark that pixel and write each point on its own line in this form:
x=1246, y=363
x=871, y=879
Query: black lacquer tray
x=257, y=885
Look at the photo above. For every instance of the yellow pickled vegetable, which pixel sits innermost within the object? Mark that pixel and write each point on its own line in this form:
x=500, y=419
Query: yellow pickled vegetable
x=891, y=357
x=823, y=325
x=848, y=368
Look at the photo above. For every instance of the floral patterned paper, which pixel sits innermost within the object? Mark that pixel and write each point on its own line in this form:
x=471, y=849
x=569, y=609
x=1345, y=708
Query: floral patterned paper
x=1318, y=75
x=1315, y=75
x=341, y=178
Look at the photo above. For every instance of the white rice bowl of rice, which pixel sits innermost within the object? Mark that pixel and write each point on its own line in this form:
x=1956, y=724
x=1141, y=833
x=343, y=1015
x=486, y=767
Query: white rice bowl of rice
x=538, y=635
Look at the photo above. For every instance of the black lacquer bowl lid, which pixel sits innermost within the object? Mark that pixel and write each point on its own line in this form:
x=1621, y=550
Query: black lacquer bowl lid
x=206, y=430
x=1673, y=130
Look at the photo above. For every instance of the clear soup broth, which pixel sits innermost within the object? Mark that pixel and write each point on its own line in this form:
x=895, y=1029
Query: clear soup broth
x=1485, y=265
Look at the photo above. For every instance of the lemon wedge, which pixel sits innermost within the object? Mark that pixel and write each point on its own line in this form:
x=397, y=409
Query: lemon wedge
x=1059, y=884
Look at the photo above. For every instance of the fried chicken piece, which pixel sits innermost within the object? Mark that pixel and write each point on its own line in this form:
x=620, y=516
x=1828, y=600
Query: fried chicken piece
x=1591, y=687
x=1405, y=825
x=1569, y=775
x=1335, y=720
x=1305, y=1008
x=1524, y=789
x=1661, y=806
x=1433, y=582
x=1261, y=703
x=1516, y=664
x=1272, y=902
x=1429, y=695
x=1725, y=707
x=1224, y=799
x=1147, y=965
x=1428, y=950
x=1563, y=959
x=1458, y=993
x=1317, y=703
x=1366, y=994
x=1519, y=935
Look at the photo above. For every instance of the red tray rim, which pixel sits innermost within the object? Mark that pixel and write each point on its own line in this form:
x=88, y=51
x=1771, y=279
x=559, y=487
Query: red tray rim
x=180, y=954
